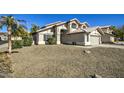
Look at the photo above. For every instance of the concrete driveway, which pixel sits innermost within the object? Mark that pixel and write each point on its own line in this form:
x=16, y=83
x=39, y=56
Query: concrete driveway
x=119, y=43
x=111, y=46
x=3, y=46
x=104, y=45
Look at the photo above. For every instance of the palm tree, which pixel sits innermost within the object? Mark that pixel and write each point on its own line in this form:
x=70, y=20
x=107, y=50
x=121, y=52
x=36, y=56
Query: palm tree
x=20, y=32
x=34, y=28
x=12, y=24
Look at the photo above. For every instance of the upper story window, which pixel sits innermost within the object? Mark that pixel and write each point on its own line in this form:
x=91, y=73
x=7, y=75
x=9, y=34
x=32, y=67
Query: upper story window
x=74, y=26
x=84, y=27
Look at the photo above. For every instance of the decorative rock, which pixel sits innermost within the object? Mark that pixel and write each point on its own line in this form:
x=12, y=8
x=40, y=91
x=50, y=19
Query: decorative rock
x=2, y=75
x=98, y=76
x=95, y=76
x=87, y=51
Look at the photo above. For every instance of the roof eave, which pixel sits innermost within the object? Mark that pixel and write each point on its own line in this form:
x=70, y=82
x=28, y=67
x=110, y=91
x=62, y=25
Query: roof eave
x=100, y=31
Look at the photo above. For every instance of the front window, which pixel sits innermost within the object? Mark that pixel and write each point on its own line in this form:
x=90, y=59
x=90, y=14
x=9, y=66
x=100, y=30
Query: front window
x=74, y=26
x=47, y=36
x=84, y=27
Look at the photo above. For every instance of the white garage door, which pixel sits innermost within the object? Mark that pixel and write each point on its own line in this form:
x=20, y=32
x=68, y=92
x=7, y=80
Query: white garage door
x=94, y=40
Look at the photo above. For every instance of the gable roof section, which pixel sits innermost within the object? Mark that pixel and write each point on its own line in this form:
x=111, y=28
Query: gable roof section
x=87, y=30
x=53, y=23
x=74, y=19
x=90, y=29
x=86, y=24
x=50, y=26
x=104, y=28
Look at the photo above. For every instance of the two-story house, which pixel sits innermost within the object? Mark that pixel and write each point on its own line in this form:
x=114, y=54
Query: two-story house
x=70, y=32
x=108, y=36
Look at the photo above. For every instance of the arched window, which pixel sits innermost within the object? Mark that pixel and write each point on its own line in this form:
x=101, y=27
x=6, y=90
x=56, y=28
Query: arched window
x=74, y=26
x=84, y=27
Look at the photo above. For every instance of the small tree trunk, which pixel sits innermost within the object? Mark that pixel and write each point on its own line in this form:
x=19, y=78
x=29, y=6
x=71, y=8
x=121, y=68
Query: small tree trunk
x=9, y=40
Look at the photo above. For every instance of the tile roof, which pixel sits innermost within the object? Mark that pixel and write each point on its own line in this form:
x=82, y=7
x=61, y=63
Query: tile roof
x=48, y=26
x=90, y=29
x=53, y=23
x=105, y=26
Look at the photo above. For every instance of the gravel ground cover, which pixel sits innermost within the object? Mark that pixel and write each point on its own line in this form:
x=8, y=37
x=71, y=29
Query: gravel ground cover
x=67, y=61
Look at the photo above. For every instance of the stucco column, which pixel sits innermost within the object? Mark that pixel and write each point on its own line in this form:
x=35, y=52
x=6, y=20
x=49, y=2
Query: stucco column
x=58, y=36
x=41, y=39
x=85, y=38
x=100, y=41
x=33, y=42
x=89, y=39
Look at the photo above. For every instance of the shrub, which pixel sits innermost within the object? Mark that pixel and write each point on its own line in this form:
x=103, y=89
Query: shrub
x=17, y=44
x=52, y=40
x=27, y=41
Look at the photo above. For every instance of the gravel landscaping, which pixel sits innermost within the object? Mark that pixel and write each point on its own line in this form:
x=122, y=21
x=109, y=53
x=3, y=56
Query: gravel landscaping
x=67, y=61
x=5, y=66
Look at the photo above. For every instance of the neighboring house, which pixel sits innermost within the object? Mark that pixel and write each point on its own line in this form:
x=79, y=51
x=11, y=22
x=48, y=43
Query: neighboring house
x=108, y=37
x=3, y=36
x=16, y=38
x=70, y=32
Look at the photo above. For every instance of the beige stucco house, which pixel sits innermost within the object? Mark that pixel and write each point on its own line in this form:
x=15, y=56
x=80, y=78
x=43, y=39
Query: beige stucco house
x=108, y=37
x=72, y=32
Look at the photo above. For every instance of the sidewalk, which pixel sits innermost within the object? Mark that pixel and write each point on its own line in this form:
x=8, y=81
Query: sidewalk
x=3, y=47
x=103, y=45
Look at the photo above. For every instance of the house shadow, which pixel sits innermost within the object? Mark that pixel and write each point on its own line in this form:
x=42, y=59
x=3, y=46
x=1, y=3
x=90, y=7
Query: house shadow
x=11, y=52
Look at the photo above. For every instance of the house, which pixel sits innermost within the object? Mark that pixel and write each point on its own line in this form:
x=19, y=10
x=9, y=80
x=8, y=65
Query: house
x=108, y=36
x=71, y=32
x=16, y=38
x=3, y=36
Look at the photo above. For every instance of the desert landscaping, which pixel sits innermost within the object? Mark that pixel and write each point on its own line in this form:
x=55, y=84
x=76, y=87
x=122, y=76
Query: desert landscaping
x=67, y=61
x=71, y=48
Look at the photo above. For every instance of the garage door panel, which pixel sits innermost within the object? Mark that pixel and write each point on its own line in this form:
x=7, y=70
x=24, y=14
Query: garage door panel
x=94, y=40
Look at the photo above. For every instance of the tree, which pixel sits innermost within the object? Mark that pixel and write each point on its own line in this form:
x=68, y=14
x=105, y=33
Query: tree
x=118, y=32
x=115, y=30
x=122, y=32
x=12, y=25
x=20, y=32
x=34, y=28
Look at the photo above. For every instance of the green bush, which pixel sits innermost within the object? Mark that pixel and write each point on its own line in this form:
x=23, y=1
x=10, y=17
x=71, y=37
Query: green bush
x=27, y=41
x=17, y=44
x=52, y=40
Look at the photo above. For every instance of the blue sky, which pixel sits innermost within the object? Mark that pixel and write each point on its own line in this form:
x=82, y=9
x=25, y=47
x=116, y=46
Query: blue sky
x=92, y=19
